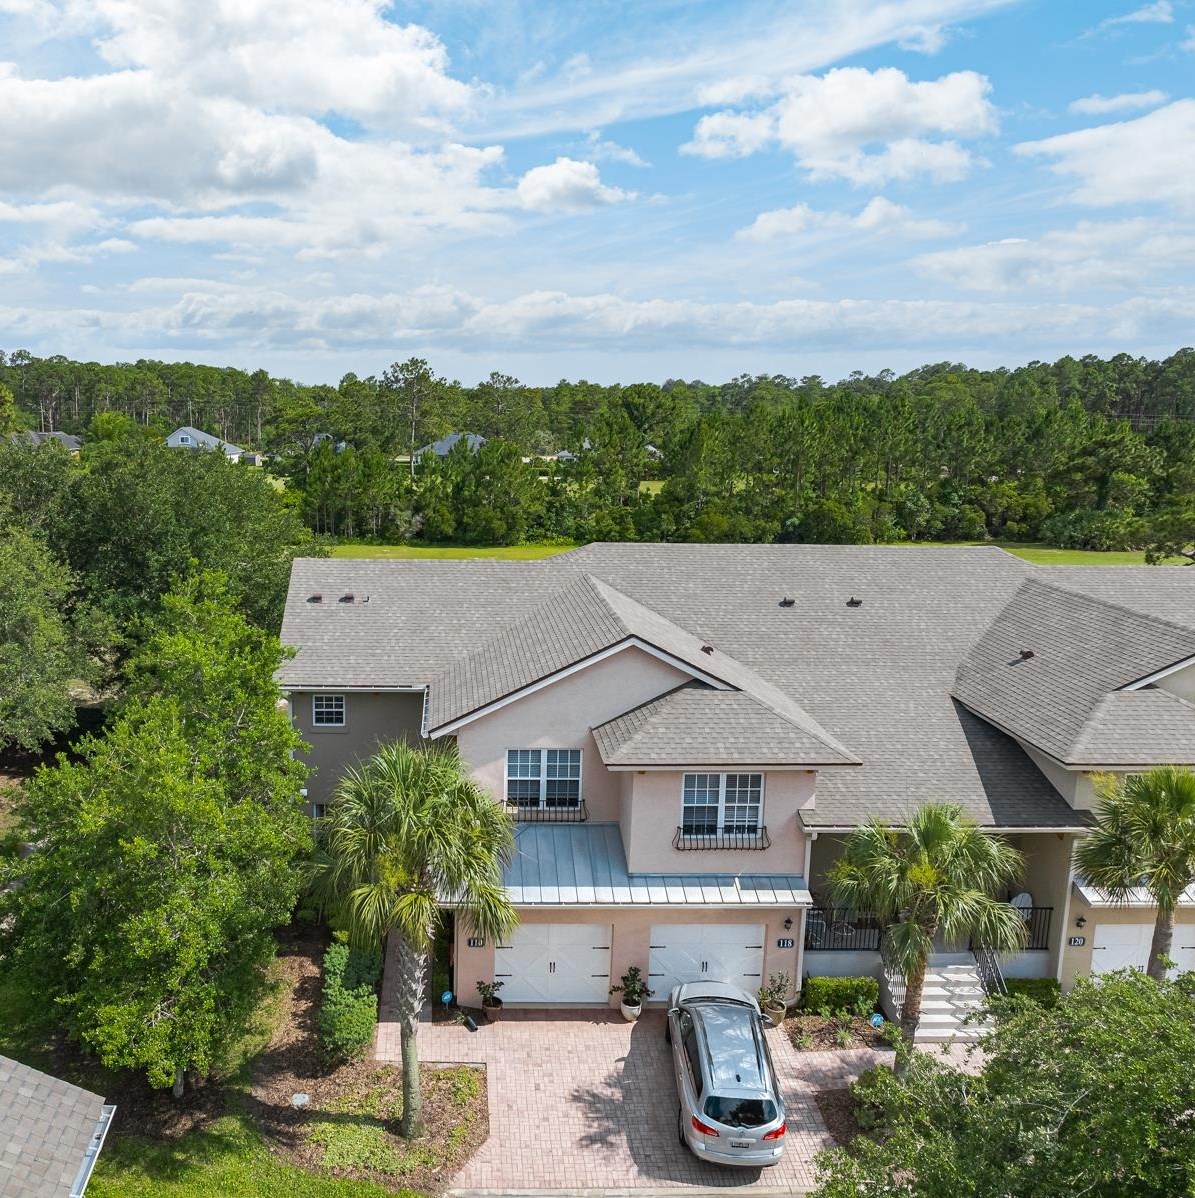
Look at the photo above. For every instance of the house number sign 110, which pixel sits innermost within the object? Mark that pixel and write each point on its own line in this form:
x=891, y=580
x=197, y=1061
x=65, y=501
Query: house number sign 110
x=477, y=942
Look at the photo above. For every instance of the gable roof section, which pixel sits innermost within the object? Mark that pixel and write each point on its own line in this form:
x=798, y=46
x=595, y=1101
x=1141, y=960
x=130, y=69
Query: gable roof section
x=697, y=725
x=1083, y=649
x=1138, y=728
x=575, y=625
x=206, y=440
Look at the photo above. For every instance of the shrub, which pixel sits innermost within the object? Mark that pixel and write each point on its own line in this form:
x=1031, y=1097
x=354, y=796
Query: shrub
x=349, y=1003
x=1042, y=990
x=839, y=994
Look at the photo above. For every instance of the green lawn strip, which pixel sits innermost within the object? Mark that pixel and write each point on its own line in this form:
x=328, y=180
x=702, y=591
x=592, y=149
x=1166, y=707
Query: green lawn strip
x=510, y=553
x=227, y=1160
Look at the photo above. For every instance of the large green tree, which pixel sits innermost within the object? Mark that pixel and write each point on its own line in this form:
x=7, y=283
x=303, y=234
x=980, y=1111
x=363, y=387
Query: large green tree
x=166, y=849
x=1092, y=1097
x=1144, y=838
x=406, y=833
x=937, y=876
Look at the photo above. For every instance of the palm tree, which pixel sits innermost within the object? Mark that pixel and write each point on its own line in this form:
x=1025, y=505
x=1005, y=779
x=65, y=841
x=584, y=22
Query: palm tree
x=936, y=875
x=405, y=834
x=1144, y=837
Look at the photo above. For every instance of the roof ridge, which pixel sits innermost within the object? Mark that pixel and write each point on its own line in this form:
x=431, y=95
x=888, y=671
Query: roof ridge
x=1098, y=601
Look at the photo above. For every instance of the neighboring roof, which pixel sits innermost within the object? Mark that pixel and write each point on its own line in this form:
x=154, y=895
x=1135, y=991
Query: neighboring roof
x=584, y=864
x=206, y=440
x=444, y=445
x=67, y=440
x=1082, y=649
x=585, y=619
x=1138, y=728
x=697, y=725
x=1139, y=896
x=50, y=1133
x=876, y=677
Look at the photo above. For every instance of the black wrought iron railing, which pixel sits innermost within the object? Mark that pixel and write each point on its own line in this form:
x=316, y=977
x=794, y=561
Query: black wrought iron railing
x=687, y=839
x=1037, y=929
x=830, y=930
x=533, y=813
x=987, y=965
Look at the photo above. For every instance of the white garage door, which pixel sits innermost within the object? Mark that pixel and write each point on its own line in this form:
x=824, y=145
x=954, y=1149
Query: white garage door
x=555, y=963
x=1182, y=947
x=705, y=952
x=1120, y=946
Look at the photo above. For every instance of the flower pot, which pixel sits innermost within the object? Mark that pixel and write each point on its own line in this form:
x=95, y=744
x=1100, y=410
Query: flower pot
x=630, y=1011
x=775, y=1012
x=492, y=1009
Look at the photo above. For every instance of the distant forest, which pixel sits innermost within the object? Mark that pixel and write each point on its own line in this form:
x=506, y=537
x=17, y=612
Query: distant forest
x=1086, y=453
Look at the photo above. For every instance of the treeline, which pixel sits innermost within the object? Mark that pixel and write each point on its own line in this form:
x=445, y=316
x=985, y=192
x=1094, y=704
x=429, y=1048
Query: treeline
x=1080, y=452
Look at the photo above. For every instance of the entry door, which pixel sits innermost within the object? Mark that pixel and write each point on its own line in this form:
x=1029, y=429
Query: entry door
x=1120, y=946
x=555, y=963
x=705, y=952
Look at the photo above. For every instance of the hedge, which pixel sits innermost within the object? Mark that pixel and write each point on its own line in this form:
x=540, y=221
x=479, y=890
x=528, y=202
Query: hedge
x=839, y=994
x=1042, y=990
x=348, y=1009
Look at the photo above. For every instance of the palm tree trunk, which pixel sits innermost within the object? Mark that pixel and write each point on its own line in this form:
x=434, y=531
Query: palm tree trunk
x=180, y=1081
x=412, y=983
x=910, y=1011
x=1161, y=944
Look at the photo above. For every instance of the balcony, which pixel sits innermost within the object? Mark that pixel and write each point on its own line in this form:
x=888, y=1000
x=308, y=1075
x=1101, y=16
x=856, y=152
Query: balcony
x=689, y=840
x=1037, y=928
x=841, y=930
x=550, y=813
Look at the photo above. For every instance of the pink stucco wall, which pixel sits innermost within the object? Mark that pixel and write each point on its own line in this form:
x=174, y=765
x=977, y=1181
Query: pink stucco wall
x=560, y=716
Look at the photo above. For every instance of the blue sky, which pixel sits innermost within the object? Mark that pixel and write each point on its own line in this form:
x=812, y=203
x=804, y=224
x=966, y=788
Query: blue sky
x=615, y=190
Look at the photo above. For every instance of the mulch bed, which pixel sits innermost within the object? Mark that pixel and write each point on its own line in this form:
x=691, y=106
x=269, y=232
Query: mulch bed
x=809, y=1032
x=837, y=1109
x=291, y=1065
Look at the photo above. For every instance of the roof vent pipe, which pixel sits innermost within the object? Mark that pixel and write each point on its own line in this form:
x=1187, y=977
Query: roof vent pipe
x=315, y=598
x=853, y=602
x=787, y=602
x=707, y=648
x=1026, y=654
x=346, y=598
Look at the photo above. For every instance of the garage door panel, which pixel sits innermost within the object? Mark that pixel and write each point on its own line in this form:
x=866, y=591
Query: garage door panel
x=682, y=953
x=1120, y=946
x=555, y=963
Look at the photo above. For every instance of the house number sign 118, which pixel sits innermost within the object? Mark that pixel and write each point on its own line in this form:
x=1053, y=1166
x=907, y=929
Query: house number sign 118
x=784, y=942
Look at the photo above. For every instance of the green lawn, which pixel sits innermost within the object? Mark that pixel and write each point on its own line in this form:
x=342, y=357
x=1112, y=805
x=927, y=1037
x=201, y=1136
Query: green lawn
x=508, y=553
x=1045, y=555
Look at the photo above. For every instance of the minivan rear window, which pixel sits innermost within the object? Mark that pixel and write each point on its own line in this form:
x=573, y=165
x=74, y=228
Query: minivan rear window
x=740, y=1112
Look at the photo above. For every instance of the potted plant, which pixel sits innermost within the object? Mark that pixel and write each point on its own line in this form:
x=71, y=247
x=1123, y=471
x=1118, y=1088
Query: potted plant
x=491, y=1004
x=633, y=989
x=774, y=997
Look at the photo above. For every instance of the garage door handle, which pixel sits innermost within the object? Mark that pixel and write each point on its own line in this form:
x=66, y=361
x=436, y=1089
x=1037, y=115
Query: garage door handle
x=503, y=975
x=657, y=946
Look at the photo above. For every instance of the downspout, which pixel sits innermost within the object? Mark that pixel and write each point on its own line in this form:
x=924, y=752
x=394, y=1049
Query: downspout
x=1064, y=927
x=810, y=837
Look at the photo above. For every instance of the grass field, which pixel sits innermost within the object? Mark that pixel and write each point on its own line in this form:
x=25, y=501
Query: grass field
x=1039, y=555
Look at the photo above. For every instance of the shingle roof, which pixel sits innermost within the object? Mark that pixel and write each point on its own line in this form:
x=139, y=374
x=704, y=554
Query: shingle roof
x=1082, y=649
x=876, y=677
x=207, y=440
x=444, y=445
x=560, y=864
x=50, y=1132
x=697, y=725
x=66, y=440
x=1138, y=728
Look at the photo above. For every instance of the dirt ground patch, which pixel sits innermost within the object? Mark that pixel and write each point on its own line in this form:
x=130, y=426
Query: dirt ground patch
x=814, y=1033
x=348, y=1126
x=837, y=1109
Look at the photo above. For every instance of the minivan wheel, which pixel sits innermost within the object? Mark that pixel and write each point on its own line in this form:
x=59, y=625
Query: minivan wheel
x=680, y=1127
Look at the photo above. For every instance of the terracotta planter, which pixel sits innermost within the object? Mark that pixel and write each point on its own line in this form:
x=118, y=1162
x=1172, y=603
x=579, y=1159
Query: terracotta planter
x=630, y=1012
x=492, y=1009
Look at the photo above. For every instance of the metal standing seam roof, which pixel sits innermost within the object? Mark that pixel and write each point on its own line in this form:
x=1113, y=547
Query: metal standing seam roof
x=1080, y=650
x=50, y=1133
x=1138, y=897
x=584, y=864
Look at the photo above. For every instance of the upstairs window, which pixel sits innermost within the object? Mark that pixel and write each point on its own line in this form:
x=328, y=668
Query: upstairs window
x=327, y=711
x=714, y=804
x=543, y=777
x=184, y=439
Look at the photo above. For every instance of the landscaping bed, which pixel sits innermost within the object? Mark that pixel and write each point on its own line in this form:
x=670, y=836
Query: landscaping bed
x=811, y=1032
x=837, y=1108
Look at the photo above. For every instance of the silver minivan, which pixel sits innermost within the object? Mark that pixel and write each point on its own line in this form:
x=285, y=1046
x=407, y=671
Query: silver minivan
x=731, y=1112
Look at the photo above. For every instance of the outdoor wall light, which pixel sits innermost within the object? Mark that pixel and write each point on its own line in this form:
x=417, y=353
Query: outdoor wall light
x=1081, y=922
x=788, y=923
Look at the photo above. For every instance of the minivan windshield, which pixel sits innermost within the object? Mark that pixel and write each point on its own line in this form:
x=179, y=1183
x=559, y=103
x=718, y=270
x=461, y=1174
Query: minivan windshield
x=740, y=1112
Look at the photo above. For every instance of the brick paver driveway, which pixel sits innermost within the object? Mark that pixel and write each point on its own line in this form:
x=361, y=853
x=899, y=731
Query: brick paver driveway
x=581, y=1099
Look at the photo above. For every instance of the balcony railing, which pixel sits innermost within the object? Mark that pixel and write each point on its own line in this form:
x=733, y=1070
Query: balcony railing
x=844, y=930
x=1037, y=928
x=562, y=813
x=685, y=839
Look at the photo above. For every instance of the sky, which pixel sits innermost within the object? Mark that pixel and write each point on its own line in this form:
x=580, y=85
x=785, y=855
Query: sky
x=617, y=191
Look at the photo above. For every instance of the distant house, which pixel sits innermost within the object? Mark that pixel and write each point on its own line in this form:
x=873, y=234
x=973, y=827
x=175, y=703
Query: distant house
x=252, y=458
x=68, y=441
x=443, y=447
x=337, y=446
x=192, y=438
x=51, y=1133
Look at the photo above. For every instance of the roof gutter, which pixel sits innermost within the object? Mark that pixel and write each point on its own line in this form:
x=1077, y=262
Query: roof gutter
x=91, y=1155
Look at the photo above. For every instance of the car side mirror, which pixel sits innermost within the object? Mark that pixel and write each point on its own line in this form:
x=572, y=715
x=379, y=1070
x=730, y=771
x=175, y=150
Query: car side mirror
x=767, y=1021
x=674, y=1011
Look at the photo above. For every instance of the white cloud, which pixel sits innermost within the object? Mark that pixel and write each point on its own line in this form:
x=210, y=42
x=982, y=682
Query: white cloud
x=1116, y=254
x=1143, y=160
x=879, y=217
x=1097, y=105
x=567, y=185
x=1188, y=43
x=1161, y=12
x=601, y=149
x=864, y=126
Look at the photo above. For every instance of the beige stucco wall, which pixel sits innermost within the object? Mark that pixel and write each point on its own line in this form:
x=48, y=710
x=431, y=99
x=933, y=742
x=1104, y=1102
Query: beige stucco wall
x=1181, y=683
x=371, y=719
x=560, y=716
x=654, y=809
x=632, y=938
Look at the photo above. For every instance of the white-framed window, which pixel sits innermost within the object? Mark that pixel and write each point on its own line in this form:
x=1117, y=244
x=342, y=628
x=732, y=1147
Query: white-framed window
x=183, y=439
x=327, y=711
x=543, y=777
x=722, y=803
